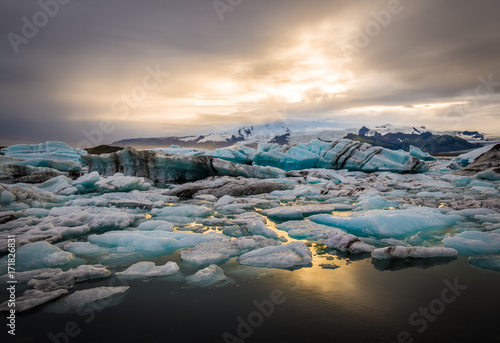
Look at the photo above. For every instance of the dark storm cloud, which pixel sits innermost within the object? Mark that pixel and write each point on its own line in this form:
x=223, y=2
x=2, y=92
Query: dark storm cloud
x=65, y=79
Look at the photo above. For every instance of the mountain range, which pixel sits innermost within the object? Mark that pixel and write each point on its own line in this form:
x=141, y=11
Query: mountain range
x=388, y=136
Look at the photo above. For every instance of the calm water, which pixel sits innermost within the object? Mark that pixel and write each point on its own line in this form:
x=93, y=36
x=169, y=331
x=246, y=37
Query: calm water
x=354, y=303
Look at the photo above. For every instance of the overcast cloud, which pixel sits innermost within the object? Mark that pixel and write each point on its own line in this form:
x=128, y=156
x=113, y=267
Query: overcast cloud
x=268, y=60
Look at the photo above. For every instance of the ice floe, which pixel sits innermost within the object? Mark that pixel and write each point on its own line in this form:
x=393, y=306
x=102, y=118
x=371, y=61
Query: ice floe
x=402, y=252
x=149, y=269
x=390, y=223
x=208, y=276
x=217, y=252
x=289, y=255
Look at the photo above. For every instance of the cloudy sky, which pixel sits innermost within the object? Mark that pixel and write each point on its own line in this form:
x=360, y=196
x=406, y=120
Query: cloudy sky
x=103, y=70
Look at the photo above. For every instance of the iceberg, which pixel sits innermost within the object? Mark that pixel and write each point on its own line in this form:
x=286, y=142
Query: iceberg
x=67, y=279
x=40, y=255
x=173, y=167
x=149, y=269
x=491, y=262
x=57, y=151
x=299, y=212
x=80, y=299
x=85, y=249
x=159, y=242
x=33, y=298
x=390, y=223
x=341, y=154
x=209, y=276
x=182, y=211
x=401, y=252
x=345, y=242
x=64, y=222
x=474, y=242
x=305, y=229
x=290, y=255
x=160, y=225
x=486, y=166
x=221, y=186
x=269, y=161
x=218, y=252
x=121, y=183
x=418, y=153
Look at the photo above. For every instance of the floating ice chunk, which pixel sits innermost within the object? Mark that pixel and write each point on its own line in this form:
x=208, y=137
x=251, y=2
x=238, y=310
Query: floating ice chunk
x=236, y=231
x=87, y=182
x=469, y=157
x=474, y=242
x=29, y=195
x=23, y=277
x=67, y=279
x=305, y=229
x=242, y=155
x=393, y=241
x=121, y=183
x=160, y=225
x=344, y=242
x=242, y=218
x=281, y=256
x=399, y=252
x=484, y=190
x=80, y=299
x=85, y=249
x=472, y=212
x=207, y=197
x=33, y=298
x=491, y=262
x=7, y=197
x=59, y=185
x=225, y=200
x=418, y=153
x=133, y=199
x=40, y=255
x=183, y=211
x=229, y=186
x=58, y=151
x=63, y=166
x=174, y=167
x=64, y=222
x=490, y=217
x=94, y=218
x=209, y=276
x=298, y=212
x=149, y=269
x=390, y=223
x=256, y=227
x=36, y=212
x=298, y=191
x=372, y=201
x=153, y=241
x=217, y=252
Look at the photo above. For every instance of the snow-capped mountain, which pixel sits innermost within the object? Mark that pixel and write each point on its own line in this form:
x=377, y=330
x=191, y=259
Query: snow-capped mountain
x=281, y=133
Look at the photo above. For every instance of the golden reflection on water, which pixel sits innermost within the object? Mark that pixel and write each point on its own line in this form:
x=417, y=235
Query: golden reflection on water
x=342, y=213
